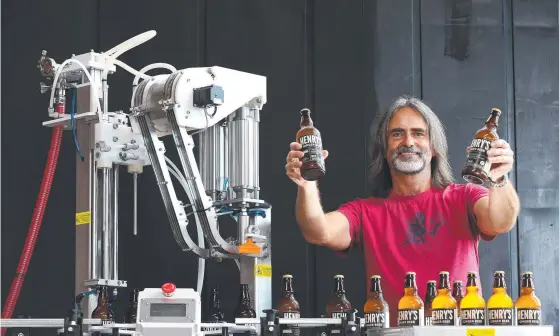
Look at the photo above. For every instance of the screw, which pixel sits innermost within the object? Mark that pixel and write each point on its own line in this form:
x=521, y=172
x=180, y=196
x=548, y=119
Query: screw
x=115, y=126
x=115, y=139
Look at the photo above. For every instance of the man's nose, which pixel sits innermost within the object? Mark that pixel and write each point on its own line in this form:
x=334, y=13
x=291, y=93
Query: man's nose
x=409, y=141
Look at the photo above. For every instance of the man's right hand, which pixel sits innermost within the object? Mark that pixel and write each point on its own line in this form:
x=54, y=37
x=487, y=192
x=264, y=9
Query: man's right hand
x=293, y=163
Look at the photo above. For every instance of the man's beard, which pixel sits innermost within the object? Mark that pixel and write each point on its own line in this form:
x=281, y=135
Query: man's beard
x=409, y=165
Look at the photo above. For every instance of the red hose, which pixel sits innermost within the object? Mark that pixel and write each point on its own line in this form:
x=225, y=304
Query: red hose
x=36, y=221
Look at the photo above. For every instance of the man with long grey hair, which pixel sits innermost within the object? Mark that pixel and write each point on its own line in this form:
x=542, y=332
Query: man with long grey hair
x=417, y=219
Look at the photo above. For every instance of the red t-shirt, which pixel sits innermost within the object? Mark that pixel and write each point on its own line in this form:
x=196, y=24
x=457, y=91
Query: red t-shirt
x=426, y=233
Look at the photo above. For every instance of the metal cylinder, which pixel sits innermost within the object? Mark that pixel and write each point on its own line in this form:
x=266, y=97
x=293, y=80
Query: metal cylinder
x=242, y=149
x=213, y=160
x=104, y=248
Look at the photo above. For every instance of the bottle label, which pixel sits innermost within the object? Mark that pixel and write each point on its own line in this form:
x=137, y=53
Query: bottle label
x=528, y=316
x=411, y=317
x=444, y=317
x=472, y=316
x=377, y=319
x=290, y=329
x=499, y=316
x=334, y=329
x=477, y=156
x=312, y=148
x=428, y=321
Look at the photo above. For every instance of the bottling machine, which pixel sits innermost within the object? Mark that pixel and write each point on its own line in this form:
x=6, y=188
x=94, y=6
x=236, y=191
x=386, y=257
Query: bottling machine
x=222, y=107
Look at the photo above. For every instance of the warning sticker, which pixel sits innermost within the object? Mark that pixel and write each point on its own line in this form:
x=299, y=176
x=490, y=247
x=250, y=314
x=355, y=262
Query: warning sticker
x=263, y=270
x=83, y=217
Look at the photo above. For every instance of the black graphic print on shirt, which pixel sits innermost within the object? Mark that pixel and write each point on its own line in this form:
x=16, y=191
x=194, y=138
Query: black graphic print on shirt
x=419, y=228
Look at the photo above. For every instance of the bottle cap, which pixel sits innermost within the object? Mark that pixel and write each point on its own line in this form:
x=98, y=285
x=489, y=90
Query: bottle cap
x=168, y=288
x=287, y=276
x=443, y=273
x=527, y=273
x=432, y=281
x=472, y=273
x=499, y=272
x=338, y=276
x=375, y=277
x=410, y=273
x=305, y=111
x=458, y=282
x=496, y=110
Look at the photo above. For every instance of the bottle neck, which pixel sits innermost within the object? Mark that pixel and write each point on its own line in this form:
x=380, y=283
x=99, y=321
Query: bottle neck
x=499, y=284
x=245, y=295
x=457, y=290
x=287, y=287
x=527, y=287
x=431, y=291
x=306, y=121
x=215, y=299
x=472, y=282
x=493, y=121
x=444, y=287
x=376, y=289
x=339, y=289
x=410, y=287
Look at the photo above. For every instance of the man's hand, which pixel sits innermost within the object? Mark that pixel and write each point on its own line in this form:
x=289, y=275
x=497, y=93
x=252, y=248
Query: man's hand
x=501, y=158
x=293, y=163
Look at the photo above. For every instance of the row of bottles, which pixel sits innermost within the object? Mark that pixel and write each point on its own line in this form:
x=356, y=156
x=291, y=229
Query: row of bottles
x=104, y=309
x=445, y=308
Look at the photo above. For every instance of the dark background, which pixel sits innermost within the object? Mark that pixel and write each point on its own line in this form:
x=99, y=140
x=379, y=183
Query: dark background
x=344, y=60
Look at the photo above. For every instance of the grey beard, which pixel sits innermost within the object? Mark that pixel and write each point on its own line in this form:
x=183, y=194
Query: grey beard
x=409, y=166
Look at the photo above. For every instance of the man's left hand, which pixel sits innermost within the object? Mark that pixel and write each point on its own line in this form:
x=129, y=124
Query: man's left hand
x=501, y=157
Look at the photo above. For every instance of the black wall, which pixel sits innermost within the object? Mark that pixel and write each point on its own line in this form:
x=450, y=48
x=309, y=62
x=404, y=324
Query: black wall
x=345, y=61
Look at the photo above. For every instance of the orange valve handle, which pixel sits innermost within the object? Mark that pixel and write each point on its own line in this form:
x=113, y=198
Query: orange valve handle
x=249, y=247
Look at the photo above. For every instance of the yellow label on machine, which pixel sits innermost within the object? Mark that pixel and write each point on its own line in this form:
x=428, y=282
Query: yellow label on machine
x=83, y=217
x=263, y=270
x=480, y=332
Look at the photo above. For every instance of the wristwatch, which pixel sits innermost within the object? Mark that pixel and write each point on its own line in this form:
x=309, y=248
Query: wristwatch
x=500, y=182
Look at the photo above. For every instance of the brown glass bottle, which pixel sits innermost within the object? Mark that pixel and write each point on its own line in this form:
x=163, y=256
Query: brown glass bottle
x=103, y=310
x=457, y=294
x=528, y=305
x=309, y=137
x=429, y=296
x=132, y=310
x=244, y=308
x=477, y=167
x=288, y=306
x=215, y=314
x=411, y=310
x=376, y=310
x=472, y=305
x=338, y=305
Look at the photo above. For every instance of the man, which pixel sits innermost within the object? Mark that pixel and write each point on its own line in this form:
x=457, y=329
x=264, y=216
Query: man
x=417, y=219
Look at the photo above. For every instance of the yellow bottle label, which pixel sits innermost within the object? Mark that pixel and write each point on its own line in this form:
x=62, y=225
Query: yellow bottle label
x=83, y=217
x=444, y=317
x=263, y=270
x=480, y=332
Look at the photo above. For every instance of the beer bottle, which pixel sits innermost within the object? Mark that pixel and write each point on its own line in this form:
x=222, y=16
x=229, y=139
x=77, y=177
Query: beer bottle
x=472, y=305
x=457, y=294
x=499, y=305
x=338, y=305
x=103, y=310
x=429, y=296
x=410, y=306
x=444, y=305
x=477, y=167
x=215, y=314
x=309, y=137
x=376, y=308
x=288, y=306
x=528, y=305
x=244, y=308
x=132, y=311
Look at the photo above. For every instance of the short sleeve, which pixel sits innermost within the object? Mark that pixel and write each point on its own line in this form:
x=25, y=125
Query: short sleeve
x=472, y=193
x=352, y=210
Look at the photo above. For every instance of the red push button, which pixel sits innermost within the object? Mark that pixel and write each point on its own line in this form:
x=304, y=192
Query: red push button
x=168, y=289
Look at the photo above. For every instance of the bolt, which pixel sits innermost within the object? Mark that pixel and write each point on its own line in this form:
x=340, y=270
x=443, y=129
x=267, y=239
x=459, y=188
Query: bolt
x=70, y=329
x=353, y=328
x=271, y=328
x=20, y=334
x=115, y=139
x=115, y=126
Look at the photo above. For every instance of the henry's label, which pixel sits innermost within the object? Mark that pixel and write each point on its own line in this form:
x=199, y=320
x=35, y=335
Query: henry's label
x=444, y=317
x=528, y=316
x=499, y=316
x=472, y=316
x=411, y=317
x=377, y=319
x=311, y=147
x=290, y=329
x=428, y=321
x=477, y=156
x=336, y=330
